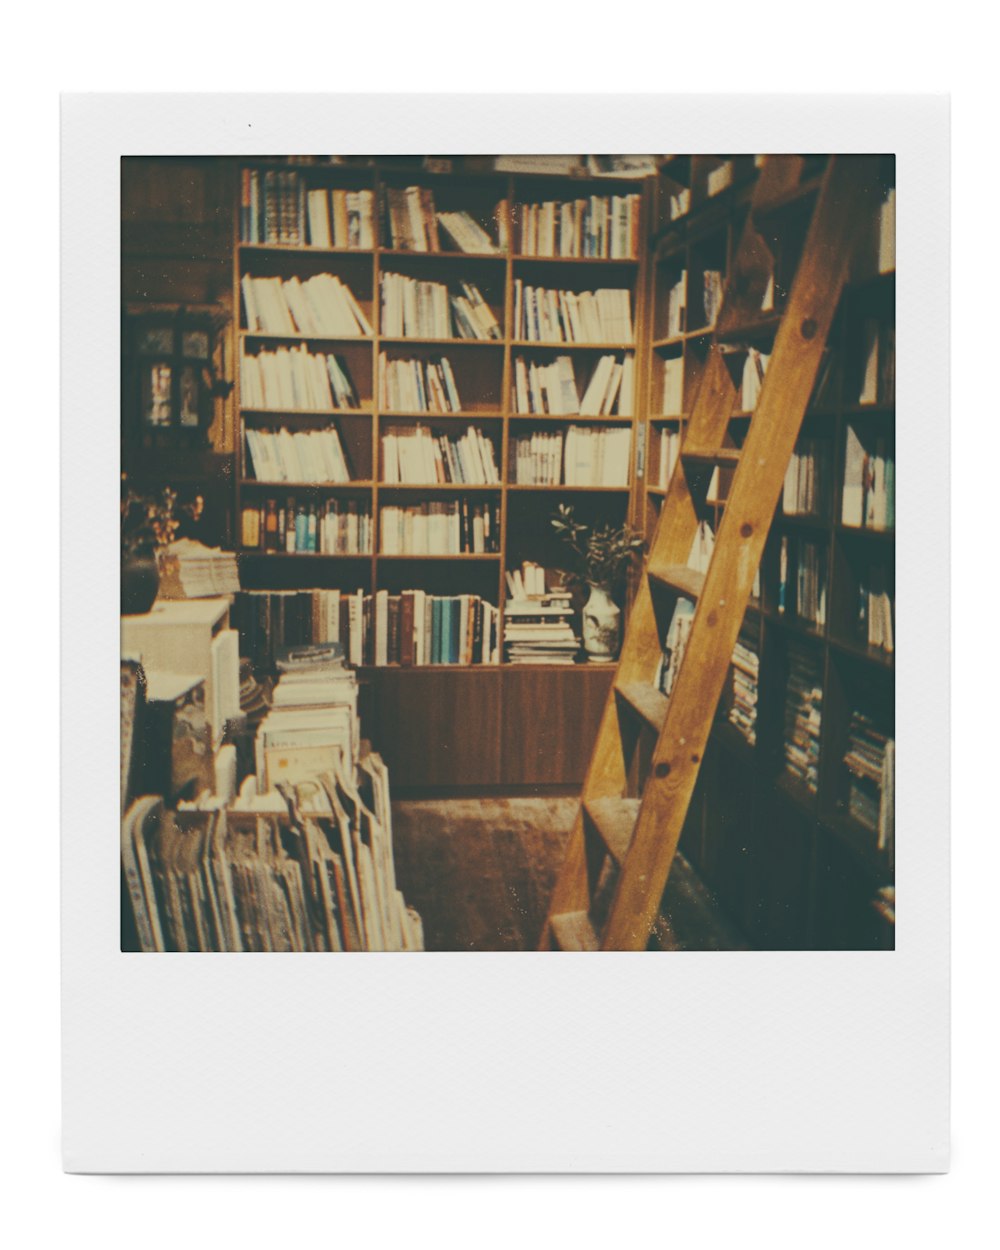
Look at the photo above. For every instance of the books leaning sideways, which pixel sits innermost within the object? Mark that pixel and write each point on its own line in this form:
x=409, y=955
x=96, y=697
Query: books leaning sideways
x=537, y=622
x=190, y=570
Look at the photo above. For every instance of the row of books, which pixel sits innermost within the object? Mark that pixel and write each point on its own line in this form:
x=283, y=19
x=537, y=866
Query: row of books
x=300, y=456
x=419, y=457
x=677, y=306
x=878, y=378
x=702, y=546
x=876, y=610
x=321, y=307
x=870, y=761
x=270, y=622
x=542, y=315
x=529, y=582
x=806, y=478
x=278, y=207
x=297, y=527
x=538, y=629
x=414, y=224
x=442, y=528
x=745, y=675
x=587, y=456
x=809, y=588
x=754, y=368
x=417, y=385
x=293, y=379
x=674, y=646
x=668, y=452
x=551, y=389
x=598, y=226
x=803, y=716
x=672, y=386
x=410, y=628
x=414, y=309
x=869, y=497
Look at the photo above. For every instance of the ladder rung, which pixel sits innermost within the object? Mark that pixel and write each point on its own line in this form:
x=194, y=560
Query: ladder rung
x=647, y=701
x=689, y=582
x=795, y=198
x=761, y=327
x=573, y=931
x=614, y=820
x=724, y=457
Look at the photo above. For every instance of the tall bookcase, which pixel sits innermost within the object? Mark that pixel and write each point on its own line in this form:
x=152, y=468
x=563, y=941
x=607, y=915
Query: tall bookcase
x=789, y=854
x=438, y=726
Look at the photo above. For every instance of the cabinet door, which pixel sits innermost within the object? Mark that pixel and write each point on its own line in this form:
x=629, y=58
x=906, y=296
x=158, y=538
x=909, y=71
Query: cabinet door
x=550, y=723
x=438, y=729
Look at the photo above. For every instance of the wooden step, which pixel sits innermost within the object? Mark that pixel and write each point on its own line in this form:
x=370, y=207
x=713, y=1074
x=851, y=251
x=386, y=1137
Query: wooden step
x=614, y=820
x=763, y=327
x=572, y=931
x=724, y=457
x=795, y=199
x=646, y=701
x=688, y=582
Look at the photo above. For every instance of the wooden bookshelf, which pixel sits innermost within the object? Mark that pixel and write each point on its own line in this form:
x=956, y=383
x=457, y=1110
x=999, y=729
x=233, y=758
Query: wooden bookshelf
x=445, y=704
x=819, y=867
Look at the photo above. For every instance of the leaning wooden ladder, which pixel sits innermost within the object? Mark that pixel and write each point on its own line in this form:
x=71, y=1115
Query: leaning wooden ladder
x=637, y=837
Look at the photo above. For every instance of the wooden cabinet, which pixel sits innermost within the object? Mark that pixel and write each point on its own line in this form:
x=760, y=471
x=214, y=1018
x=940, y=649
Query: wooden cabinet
x=550, y=722
x=438, y=729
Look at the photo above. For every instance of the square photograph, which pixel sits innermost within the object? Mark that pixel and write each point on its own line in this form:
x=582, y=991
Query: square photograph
x=508, y=553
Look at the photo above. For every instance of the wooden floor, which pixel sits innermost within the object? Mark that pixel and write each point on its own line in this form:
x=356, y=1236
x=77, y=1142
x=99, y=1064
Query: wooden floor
x=480, y=872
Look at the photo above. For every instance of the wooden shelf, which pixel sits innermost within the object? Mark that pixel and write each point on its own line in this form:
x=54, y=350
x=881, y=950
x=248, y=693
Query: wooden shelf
x=411, y=340
x=253, y=483
x=464, y=556
x=447, y=488
x=543, y=345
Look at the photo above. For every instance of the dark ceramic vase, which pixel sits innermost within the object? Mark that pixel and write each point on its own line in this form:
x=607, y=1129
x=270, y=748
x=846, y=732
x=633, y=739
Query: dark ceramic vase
x=140, y=582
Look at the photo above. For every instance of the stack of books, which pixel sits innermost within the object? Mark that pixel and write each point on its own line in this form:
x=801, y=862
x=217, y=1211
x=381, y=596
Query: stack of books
x=190, y=570
x=314, y=714
x=745, y=674
x=416, y=456
x=803, y=716
x=600, y=226
x=299, y=456
x=417, y=385
x=293, y=379
x=320, y=307
x=538, y=626
x=870, y=761
x=548, y=316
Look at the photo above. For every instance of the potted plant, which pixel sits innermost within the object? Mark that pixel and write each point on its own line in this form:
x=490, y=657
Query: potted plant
x=604, y=554
x=148, y=524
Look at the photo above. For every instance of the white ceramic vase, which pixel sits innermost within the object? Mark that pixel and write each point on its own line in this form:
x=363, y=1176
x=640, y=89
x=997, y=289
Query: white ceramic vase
x=601, y=625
